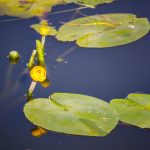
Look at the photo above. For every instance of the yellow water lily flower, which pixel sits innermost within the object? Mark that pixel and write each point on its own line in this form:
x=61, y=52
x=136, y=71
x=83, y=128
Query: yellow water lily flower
x=44, y=30
x=38, y=73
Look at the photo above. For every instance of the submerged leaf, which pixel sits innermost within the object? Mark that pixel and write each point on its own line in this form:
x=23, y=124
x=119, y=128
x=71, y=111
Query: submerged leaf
x=131, y=112
x=106, y=30
x=72, y=114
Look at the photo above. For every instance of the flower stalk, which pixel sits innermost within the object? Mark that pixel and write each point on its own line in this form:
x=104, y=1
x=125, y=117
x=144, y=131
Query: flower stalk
x=31, y=61
x=40, y=53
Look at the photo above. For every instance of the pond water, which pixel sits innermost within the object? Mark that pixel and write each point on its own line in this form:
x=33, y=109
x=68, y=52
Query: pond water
x=105, y=73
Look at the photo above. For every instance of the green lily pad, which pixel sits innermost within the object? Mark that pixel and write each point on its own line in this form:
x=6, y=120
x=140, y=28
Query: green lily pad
x=89, y=3
x=142, y=99
x=27, y=8
x=106, y=30
x=31, y=8
x=131, y=112
x=72, y=114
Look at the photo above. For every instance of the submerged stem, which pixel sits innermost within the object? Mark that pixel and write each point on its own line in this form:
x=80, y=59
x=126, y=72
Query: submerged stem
x=31, y=89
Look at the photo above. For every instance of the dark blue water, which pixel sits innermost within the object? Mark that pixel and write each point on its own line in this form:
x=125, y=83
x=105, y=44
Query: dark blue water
x=105, y=73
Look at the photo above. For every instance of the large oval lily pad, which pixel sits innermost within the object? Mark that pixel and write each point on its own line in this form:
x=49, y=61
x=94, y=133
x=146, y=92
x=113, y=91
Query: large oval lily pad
x=132, y=113
x=72, y=114
x=106, y=30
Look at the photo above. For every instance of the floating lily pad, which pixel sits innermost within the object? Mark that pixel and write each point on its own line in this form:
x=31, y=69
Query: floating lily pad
x=131, y=112
x=142, y=99
x=72, y=114
x=89, y=3
x=31, y=8
x=106, y=30
x=27, y=8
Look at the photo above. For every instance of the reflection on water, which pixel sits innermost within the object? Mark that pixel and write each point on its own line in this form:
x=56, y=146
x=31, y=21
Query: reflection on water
x=23, y=77
x=11, y=103
x=7, y=80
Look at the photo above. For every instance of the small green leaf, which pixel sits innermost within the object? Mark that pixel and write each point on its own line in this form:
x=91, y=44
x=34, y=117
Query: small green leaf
x=72, y=114
x=106, y=30
x=131, y=112
x=44, y=29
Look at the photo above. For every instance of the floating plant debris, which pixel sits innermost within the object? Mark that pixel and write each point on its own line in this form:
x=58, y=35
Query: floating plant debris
x=105, y=30
x=59, y=59
x=72, y=114
x=14, y=57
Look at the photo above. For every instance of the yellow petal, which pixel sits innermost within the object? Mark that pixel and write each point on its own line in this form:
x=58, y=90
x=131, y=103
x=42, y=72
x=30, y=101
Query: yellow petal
x=38, y=73
x=44, y=30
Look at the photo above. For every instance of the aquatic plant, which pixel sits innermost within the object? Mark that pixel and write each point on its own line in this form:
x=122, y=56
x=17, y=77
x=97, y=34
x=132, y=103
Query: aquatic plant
x=105, y=30
x=30, y=8
x=75, y=113
x=85, y=115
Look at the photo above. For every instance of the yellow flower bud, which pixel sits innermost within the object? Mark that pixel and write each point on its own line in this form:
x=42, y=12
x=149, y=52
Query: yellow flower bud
x=37, y=131
x=45, y=83
x=38, y=73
